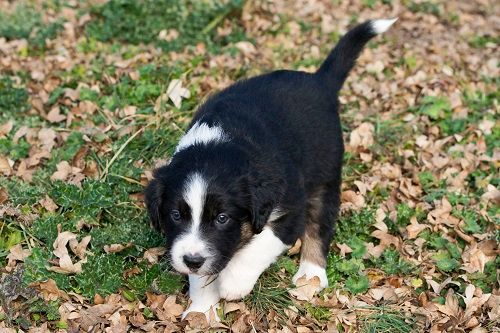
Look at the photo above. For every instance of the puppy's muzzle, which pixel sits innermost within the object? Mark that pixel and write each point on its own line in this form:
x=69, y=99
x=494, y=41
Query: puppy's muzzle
x=193, y=262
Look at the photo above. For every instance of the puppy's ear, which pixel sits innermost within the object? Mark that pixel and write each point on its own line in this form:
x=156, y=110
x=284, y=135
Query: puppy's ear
x=266, y=190
x=153, y=197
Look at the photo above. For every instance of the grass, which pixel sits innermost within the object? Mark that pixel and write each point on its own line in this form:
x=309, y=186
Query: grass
x=271, y=292
x=193, y=21
x=382, y=320
x=25, y=22
x=107, y=208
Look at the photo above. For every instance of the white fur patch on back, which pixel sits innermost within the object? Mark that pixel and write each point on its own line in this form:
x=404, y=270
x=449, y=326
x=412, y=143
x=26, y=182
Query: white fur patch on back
x=201, y=133
x=380, y=26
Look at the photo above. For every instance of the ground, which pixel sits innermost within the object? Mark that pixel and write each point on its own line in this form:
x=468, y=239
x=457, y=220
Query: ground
x=93, y=94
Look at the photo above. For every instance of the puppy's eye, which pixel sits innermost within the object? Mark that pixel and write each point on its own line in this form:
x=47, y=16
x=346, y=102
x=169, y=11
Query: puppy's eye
x=222, y=219
x=175, y=215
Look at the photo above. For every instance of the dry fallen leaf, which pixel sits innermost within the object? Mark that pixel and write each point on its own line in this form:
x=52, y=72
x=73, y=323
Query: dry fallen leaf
x=49, y=290
x=4, y=195
x=362, y=136
x=66, y=265
x=5, y=166
x=48, y=204
x=17, y=253
x=352, y=200
x=55, y=116
x=414, y=228
x=151, y=255
x=115, y=248
x=305, y=289
x=295, y=249
x=176, y=92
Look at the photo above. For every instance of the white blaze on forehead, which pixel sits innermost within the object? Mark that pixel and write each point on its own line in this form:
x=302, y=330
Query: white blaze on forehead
x=201, y=133
x=191, y=242
x=195, y=191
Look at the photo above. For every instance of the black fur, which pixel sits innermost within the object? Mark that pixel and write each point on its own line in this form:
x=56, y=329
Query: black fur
x=285, y=143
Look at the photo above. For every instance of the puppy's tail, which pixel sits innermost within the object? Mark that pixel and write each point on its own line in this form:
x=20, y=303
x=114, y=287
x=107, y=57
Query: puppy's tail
x=341, y=59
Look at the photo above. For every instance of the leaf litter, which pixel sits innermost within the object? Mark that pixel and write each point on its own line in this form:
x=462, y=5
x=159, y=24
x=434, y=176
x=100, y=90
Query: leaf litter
x=421, y=157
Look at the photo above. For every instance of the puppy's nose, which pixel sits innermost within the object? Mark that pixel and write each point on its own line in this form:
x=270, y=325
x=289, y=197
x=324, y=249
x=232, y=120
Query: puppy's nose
x=193, y=261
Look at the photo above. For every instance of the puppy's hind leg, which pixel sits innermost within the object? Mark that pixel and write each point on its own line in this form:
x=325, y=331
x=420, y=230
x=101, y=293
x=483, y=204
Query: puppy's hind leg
x=322, y=212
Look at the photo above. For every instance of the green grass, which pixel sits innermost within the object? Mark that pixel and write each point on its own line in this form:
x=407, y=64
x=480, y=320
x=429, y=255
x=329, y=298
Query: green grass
x=383, y=320
x=25, y=22
x=129, y=21
x=270, y=293
x=106, y=209
x=13, y=98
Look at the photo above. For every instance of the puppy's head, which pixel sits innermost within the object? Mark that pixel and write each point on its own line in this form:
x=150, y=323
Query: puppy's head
x=209, y=203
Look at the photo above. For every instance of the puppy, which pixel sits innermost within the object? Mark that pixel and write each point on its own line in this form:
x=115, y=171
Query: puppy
x=259, y=168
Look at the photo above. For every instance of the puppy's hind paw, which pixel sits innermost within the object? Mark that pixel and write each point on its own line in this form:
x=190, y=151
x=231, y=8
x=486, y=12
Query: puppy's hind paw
x=310, y=270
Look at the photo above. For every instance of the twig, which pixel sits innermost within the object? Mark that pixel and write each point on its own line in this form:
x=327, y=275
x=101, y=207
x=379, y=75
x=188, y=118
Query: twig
x=113, y=159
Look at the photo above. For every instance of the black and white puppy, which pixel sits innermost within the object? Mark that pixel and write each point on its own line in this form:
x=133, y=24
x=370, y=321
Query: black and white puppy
x=259, y=168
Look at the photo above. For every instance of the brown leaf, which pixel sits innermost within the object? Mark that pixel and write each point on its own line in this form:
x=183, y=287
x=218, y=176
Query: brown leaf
x=6, y=128
x=55, y=116
x=492, y=194
x=66, y=266
x=79, y=248
x=305, y=289
x=49, y=290
x=5, y=166
x=352, y=200
x=67, y=173
x=295, y=249
x=171, y=309
x=96, y=314
x=137, y=318
x=176, y=92
x=47, y=137
x=24, y=173
x=414, y=228
x=130, y=110
x=4, y=195
x=362, y=136
x=197, y=320
x=115, y=248
x=152, y=254
x=48, y=204
x=344, y=249
x=63, y=171
x=98, y=299
x=16, y=253
x=385, y=238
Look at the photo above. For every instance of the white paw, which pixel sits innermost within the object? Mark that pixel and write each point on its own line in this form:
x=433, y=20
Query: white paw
x=310, y=270
x=236, y=286
x=210, y=311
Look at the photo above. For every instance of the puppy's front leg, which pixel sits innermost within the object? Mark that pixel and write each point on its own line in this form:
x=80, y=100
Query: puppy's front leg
x=204, y=295
x=237, y=279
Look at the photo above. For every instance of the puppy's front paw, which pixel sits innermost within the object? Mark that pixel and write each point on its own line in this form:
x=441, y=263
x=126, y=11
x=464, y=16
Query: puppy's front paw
x=310, y=270
x=210, y=311
x=236, y=286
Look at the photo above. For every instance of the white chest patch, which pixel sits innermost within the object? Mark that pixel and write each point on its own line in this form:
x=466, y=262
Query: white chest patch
x=201, y=133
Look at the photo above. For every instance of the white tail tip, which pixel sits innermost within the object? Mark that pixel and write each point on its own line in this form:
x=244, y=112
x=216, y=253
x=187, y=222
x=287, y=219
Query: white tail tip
x=380, y=26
